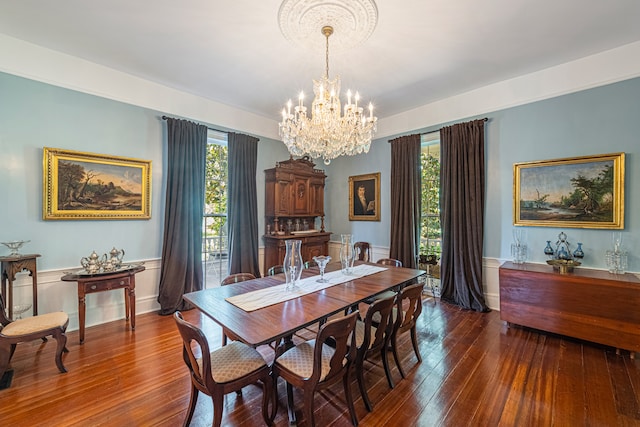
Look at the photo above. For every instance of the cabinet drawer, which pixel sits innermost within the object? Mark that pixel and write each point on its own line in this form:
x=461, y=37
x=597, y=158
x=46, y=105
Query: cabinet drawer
x=106, y=285
x=315, y=239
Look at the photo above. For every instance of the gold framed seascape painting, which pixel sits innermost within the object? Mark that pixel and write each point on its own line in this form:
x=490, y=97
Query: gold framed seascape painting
x=576, y=192
x=78, y=185
x=364, y=197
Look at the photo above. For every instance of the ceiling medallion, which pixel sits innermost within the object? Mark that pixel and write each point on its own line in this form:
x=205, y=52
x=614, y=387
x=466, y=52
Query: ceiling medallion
x=353, y=22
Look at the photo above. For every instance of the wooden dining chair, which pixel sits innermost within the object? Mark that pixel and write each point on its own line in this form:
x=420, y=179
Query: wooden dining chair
x=371, y=340
x=222, y=371
x=13, y=332
x=276, y=269
x=386, y=294
x=408, y=309
x=236, y=278
x=389, y=261
x=229, y=280
x=363, y=251
x=313, y=365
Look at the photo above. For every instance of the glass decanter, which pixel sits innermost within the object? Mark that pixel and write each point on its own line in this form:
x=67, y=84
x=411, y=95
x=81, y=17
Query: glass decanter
x=292, y=263
x=347, y=254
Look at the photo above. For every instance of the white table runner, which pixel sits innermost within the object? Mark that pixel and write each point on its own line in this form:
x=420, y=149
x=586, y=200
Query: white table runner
x=261, y=298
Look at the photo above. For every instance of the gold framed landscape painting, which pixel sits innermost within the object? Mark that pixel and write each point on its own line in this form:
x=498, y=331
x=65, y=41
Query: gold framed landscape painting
x=78, y=185
x=364, y=197
x=576, y=192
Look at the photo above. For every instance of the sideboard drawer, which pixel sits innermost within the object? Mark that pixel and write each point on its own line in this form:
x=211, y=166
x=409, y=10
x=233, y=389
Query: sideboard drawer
x=106, y=285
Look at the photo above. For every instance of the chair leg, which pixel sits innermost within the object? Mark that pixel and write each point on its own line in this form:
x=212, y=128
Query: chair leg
x=61, y=339
x=290, y=409
x=384, y=355
x=267, y=392
x=361, y=385
x=394, y=349
x=347, y=394
x=224, y=339
x=13, y=350
x=6, y=351
x=414, y=341
x=308, y=408
x=193, y=399
x=218, y=404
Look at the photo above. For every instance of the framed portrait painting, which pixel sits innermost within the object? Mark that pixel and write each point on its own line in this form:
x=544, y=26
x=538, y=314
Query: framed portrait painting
x=364, y=197
x=577, y=192
x=79, y=185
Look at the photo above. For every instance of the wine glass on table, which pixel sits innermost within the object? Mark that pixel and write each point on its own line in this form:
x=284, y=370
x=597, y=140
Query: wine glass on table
x=322, y=262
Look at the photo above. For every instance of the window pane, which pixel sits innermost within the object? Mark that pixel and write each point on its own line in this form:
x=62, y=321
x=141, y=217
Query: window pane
x=214, y=224
x=430, y=231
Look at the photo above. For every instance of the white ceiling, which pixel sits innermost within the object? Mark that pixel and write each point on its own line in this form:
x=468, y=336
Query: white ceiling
x=233, y=52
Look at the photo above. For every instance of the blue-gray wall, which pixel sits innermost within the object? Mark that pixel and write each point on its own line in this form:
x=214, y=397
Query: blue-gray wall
x=34, y=115
x=595, y=121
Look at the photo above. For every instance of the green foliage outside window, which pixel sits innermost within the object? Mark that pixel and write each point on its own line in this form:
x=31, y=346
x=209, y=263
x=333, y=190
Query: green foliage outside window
x=430, y=230
x=216, y=190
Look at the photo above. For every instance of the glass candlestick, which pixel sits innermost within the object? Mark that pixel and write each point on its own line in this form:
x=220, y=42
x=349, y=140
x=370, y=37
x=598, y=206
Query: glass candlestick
x=322, y=262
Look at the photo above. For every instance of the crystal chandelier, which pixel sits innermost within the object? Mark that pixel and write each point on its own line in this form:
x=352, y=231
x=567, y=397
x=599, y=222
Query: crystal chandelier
x=327, y=133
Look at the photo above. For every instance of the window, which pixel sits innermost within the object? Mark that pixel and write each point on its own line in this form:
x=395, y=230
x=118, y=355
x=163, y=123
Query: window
x=430, y=230
x=214, y=221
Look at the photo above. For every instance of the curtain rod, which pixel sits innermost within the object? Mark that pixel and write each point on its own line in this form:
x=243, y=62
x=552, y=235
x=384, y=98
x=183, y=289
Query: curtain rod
x=486, y=119
x=213, y=129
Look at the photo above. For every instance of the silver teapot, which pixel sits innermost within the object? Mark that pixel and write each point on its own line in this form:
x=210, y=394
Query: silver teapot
x=93, y=263
x=116, y=258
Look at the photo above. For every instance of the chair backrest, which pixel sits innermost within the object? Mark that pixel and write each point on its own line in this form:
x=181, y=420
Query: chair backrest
x=389, y=261
x=310, y=263
x=342, y=333
x=381, y=310
x=363, y=251
x=235, y=278
x=409, y=302
x=276, y=269
x=192, y=334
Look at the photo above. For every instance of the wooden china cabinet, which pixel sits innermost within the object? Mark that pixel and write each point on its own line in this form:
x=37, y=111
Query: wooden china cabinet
x=294, y=203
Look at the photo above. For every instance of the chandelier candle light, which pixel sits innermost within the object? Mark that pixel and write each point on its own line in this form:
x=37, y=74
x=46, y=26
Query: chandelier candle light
x=327, y=133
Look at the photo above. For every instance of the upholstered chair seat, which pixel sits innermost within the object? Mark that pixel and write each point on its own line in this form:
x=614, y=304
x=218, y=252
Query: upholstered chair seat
x=34, y=324
x=13, y=332
x=233, y=361
x=299, y=360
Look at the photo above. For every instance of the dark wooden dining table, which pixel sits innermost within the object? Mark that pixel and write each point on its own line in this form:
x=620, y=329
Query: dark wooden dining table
x=281, y=320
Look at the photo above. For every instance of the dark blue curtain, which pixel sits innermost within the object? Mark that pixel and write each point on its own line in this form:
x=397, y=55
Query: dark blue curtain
x=181, y=269
x=242, y=198
x=405, y=199
x=462, y=214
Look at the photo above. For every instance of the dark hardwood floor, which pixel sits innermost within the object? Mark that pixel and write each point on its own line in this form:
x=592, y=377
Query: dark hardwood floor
x=475, y=371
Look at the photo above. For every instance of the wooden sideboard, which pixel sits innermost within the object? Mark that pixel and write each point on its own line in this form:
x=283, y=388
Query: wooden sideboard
x=592, y=305
x=294, y=194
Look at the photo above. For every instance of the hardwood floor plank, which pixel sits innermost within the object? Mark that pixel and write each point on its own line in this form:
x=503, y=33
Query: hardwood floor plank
x=570, y=407
x=475, y=371
x=599, y=399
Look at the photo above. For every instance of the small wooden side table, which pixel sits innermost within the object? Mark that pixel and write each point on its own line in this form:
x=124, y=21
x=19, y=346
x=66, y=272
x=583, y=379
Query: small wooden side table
x=124, y=278
x=12, y=265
